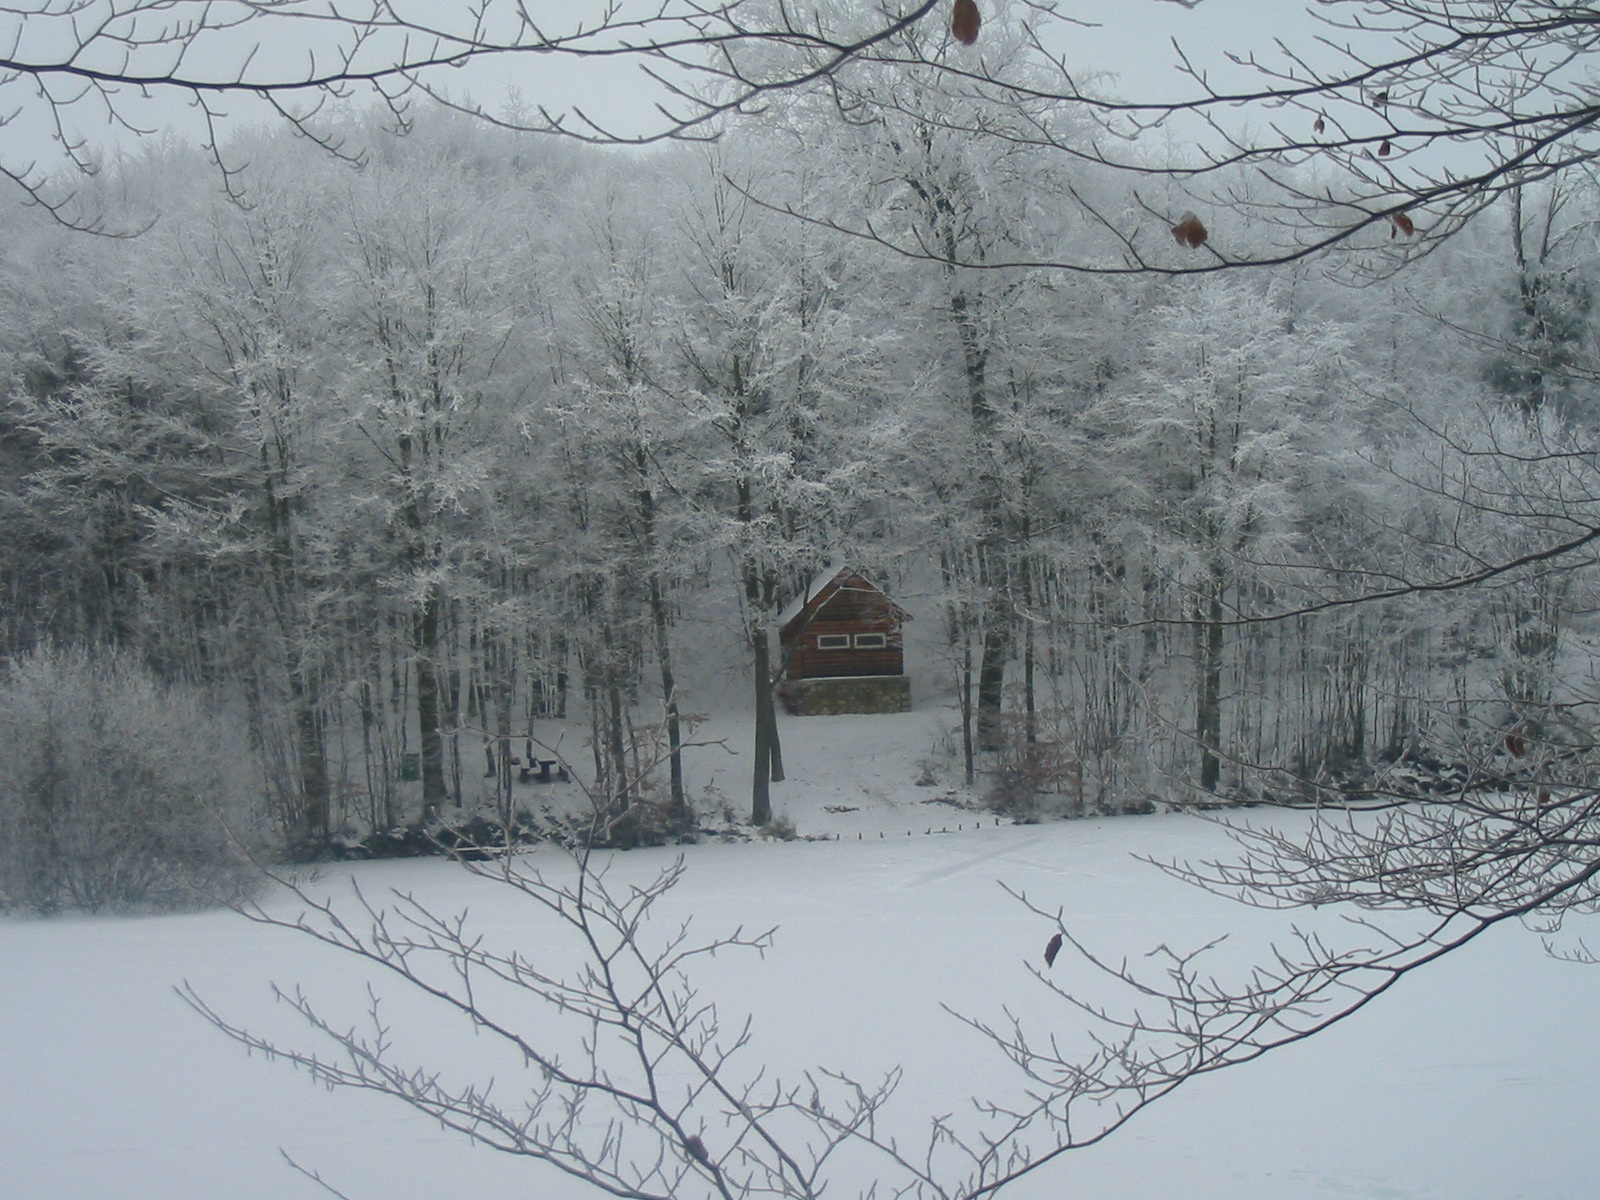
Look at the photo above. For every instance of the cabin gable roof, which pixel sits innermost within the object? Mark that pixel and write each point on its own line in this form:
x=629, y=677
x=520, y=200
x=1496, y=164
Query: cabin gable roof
x=822, y=588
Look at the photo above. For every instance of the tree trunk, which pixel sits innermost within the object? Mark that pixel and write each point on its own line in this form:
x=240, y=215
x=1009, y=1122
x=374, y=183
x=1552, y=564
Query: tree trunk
x=774, y=741
x=504, y=689
x=312, y=762
x=616, y=744
x=430, y=745
x=766, y=728
x=992, y=673
x=994, y=575
x=669, y=696
x=1208, y=662
x=968, y=745
x=658, y=620
x=285, y=595
x=958, y=637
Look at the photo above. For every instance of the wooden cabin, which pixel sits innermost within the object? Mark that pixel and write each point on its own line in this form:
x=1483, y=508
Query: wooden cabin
x=843, y=627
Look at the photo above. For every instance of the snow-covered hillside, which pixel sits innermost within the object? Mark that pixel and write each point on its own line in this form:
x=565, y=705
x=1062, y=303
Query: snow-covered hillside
x=1472, y=1081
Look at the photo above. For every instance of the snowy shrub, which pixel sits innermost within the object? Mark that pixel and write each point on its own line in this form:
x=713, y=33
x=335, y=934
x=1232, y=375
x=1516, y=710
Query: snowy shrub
x=117, y=792
x=1034, y=780
x=780, y=829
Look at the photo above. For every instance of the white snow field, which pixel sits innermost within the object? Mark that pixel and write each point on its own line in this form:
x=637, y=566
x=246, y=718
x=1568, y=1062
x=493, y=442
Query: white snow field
x=1475, y=1080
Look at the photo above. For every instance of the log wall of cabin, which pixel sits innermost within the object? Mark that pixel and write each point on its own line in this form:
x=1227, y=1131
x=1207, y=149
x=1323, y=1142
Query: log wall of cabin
x=847, y=611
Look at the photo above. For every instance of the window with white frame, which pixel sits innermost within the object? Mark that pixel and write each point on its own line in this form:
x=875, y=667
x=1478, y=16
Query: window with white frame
x=871, y=641
x=833, y=641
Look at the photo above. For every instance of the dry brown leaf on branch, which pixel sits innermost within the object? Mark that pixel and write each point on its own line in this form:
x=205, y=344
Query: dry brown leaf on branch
x=1052, y=949
x=965, y=22
x=1383, y=150
x=1189, y=231
x=1403, y=224
x=1320, y=126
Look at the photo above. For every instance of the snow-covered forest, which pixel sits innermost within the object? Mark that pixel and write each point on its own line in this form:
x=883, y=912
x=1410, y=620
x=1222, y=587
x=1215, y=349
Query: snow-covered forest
x=400, y=459
x=452, y=494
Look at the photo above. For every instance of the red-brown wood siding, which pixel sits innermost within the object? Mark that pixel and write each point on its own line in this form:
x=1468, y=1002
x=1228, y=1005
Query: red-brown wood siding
x=848, y=605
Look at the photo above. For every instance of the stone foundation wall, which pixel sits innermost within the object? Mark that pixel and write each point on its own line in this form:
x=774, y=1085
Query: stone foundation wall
x=846, y=694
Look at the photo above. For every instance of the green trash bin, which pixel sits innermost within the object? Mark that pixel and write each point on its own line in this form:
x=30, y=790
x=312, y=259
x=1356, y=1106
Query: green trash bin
x=410, y=768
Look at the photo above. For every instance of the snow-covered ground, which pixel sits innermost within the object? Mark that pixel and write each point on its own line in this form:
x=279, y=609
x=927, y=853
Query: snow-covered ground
x=1474, y=1081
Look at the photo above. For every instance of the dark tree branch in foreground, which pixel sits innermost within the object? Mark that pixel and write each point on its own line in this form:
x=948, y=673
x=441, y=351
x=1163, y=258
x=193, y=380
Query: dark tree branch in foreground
x=1526, y=854
x=1385, y=131
x=619, y=1073
x=614, y=1069
x=78, y=62
x=633, y=1101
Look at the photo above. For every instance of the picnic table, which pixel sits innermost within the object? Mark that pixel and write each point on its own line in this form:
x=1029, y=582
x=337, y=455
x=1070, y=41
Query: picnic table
x=543, y=770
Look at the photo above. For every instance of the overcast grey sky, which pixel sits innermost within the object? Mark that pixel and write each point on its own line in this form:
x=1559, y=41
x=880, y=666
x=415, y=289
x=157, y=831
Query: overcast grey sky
x=1133, y=41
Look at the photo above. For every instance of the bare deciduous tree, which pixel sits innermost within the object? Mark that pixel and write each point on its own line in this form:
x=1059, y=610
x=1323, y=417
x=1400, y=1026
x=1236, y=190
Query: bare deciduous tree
x=65, y=64
x=1383, y=125
x=631, y=1079
x=613, y=1067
